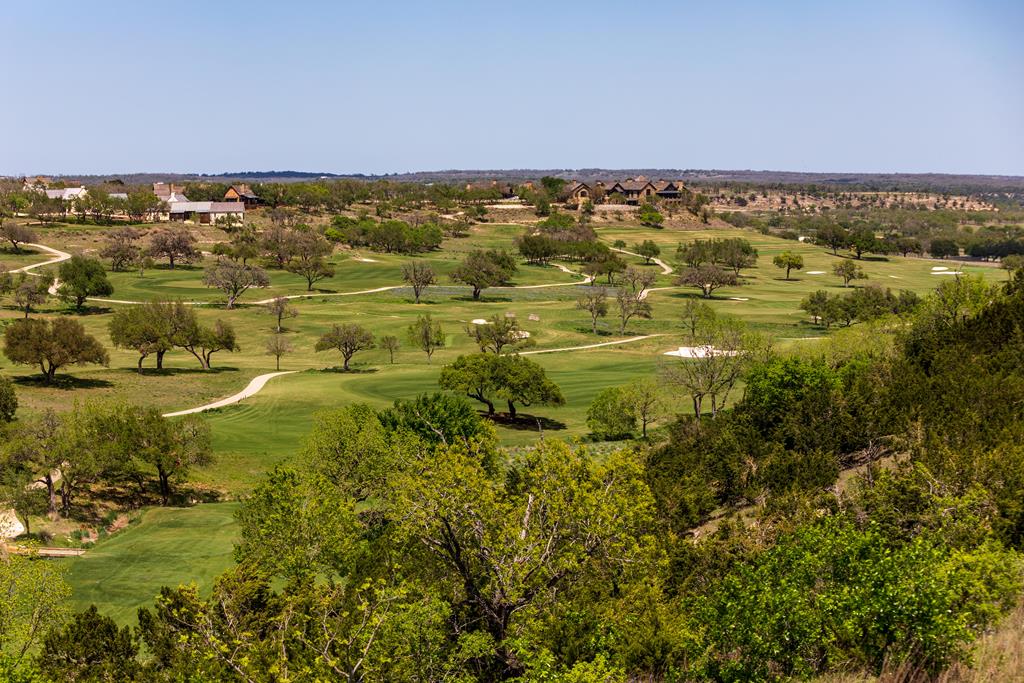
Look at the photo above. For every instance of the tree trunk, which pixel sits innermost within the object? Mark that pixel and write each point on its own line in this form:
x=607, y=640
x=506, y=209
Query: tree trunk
x=476, y=295
x=141, y=358
x=278, y=364
x=51, y=372
x=511, y=408
x=345, y=362
x=51, y=495
x=160, y=360
x=165, y=485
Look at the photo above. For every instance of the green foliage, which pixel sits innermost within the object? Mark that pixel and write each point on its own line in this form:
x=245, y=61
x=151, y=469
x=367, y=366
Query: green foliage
x=82, y=277
x=33, y=599
x=8, y=400
x=833, y=596
x=484, y=268
x=648, y=215
x=347, y=339
x=90, y=648
x=51, y=345
x=610, y=415
x=788, y=261
x=488, y=377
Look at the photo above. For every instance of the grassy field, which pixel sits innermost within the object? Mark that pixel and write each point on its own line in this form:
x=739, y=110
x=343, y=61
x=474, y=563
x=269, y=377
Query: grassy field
x=172, y=545
x=166, y=547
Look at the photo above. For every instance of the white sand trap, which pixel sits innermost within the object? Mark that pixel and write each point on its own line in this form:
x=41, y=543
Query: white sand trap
x=949, y=272
x=939, y=268
x=738, y=298
x=815, y=272
x=895, y=277
x=366, y=260
x=480, y=321
x=522, y=334
x=699, y=352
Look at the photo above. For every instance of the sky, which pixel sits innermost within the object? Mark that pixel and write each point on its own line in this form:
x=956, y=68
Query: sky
x=194, y=86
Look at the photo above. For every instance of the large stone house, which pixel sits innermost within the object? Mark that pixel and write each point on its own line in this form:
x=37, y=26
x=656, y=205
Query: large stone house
x=633, y=191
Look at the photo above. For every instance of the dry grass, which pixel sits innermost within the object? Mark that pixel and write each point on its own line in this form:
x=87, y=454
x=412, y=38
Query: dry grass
x=998, y=656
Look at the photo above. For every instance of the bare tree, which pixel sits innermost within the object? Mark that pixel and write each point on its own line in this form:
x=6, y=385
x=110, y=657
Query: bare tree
x=174, y=244
x=308, y=257
x=419, y=276
x=631, y=296
x=718, y=353
x=278, y=346
x=389, y=342
x=16, y=233
x=280, y=309
x=595, y=302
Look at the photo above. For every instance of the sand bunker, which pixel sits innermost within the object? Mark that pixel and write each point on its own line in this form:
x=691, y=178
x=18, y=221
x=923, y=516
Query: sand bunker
x=738, y=298
x=939, y=268
x=699, y=352
x=815, y=272
x=522, y=334
x=480, y=321
x=366, y=260
x=948, y=272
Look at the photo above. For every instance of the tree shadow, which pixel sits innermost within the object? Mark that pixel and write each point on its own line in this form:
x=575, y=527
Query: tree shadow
x=63, y=382
x=350, y=371
x=525, y=422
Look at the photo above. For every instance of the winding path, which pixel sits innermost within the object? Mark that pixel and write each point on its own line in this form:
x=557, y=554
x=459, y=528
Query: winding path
x=57, y=254
x=258, y=382
x=666, y=269
x=592, y=346
x=252, y=389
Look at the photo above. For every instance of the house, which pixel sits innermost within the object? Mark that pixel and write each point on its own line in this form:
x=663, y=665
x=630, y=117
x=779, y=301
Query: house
x=242, y=193
x=67, y=194
x=640, y=190
x=39, y=182
x=206, y=212
x=580, y=192
x=165, y=191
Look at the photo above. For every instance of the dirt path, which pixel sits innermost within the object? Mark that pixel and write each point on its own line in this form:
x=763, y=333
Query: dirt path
x=252, y=389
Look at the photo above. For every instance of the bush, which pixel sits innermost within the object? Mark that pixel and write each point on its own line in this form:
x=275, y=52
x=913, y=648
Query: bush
x=610, y=417
x=8, y=400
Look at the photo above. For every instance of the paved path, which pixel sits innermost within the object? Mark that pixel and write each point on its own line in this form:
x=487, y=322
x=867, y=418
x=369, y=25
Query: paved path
x=57, y=254
x=591, y=346
x=253, y=388
x=666, y=269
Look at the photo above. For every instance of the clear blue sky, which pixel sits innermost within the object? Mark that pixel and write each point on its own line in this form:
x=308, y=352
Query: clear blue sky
x=374, y=87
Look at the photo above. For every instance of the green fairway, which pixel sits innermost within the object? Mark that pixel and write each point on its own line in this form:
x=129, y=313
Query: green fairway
x=167, y=547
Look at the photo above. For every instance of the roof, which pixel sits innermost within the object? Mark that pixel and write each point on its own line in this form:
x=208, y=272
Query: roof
x=243, y=191
x=206, y=207
x=66, y=194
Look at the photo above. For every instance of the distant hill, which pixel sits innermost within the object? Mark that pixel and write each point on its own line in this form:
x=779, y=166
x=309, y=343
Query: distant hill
x=935, y=182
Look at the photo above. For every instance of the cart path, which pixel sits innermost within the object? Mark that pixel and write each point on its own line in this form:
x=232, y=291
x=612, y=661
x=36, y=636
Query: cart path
x=251, y=389
x=666, y=269
x=57, y=255
x=592, y=346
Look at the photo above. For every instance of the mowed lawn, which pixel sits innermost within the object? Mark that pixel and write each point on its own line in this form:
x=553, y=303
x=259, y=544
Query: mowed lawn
x=167, y=547
x=170, y=546
x=253, y=436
